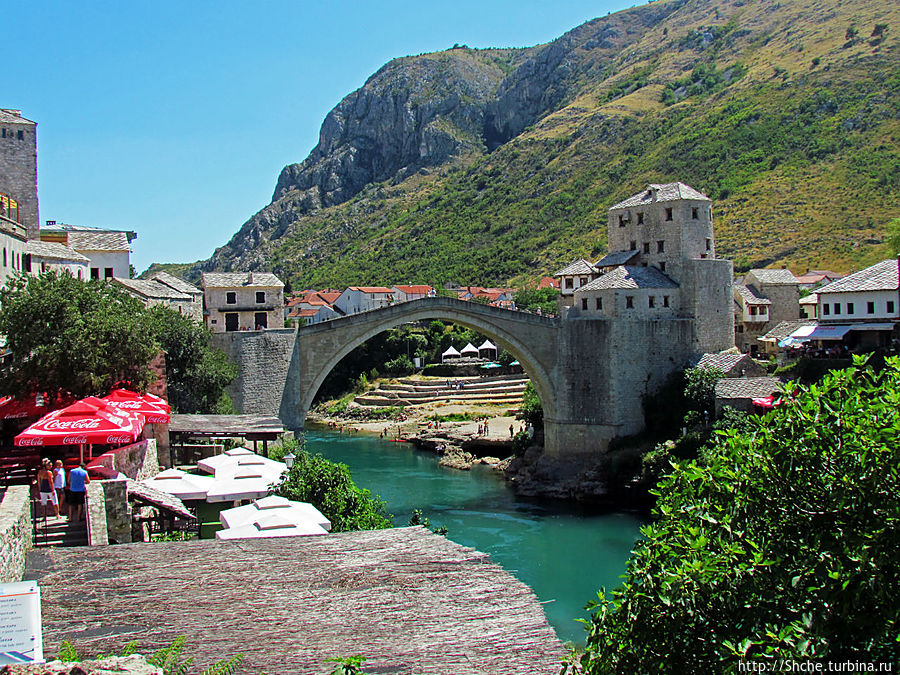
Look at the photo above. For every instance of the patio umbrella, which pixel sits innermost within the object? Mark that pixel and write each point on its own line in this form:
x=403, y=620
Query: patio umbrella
x=87, y=421
x=35, y=405
x=488, y=366
x=154, y=409
x=181, y=484
x=299, y=512
x=231, y=461
x=271, y=526
x=246, y=484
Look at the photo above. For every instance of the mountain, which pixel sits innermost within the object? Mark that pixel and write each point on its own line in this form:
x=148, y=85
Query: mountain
x=485, y=166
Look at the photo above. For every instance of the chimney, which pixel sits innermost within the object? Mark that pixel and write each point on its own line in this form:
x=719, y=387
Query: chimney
x=250, y=277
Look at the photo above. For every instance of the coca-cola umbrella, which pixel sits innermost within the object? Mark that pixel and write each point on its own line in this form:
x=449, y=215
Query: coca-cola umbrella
x=154, y=409
x=32, y=406
x=87, y=421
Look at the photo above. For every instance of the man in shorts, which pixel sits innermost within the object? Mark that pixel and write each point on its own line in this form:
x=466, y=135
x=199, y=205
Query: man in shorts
x=78, y=480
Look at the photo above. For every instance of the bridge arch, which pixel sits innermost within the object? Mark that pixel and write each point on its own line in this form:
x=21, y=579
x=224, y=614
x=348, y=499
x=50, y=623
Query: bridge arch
x=531, y=339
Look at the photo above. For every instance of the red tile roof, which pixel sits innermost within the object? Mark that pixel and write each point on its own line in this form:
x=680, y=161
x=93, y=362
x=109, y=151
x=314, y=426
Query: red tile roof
x=415, y=289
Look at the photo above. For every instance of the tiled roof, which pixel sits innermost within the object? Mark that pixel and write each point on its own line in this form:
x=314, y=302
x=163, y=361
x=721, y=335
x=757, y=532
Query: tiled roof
x=750, y=295
x=176, y=283
x=371, y=289
x=548, y=282
x=665, y=192
x=329, y=297
x=150, y=495
x=150, y=288
x=783, y=329
x=53, y=251
x=581, y=266
x=879, y=277
x=776, y=276
x=8, y=116
x=723, y=361
x=616, y=258
x=811, y=299
x=242, y=279
x=630, y=277
x=98, y=241
x=415, y=290
x=747, y=387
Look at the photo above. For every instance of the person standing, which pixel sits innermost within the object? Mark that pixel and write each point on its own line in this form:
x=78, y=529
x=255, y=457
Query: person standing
x=78, y=480
x=45, y=488
x=59, y=482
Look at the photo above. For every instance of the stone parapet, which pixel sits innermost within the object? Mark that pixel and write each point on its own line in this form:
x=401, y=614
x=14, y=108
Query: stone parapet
x=138, y=461
x=15, y=532
x=95, y=514
x=118, y=511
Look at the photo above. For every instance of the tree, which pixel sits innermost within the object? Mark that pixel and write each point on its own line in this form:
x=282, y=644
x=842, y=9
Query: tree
x=533, y=298
x=330, y=488
x=196, y=372
x=784, y=543
x=893, y=230
x=700, y=394
x=67, y=335
x=531, y=411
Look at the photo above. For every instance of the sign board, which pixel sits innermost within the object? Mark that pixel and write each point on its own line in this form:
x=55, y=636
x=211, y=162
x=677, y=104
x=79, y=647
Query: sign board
x=21, y=640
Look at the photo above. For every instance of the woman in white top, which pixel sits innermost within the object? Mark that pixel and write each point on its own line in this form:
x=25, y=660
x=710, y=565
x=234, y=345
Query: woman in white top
x=59, y=481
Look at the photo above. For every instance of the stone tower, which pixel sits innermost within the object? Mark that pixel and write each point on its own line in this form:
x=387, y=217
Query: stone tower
x=18, y=166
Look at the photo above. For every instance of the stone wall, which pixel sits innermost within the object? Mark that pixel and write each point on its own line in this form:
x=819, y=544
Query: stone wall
x=18, y=170
x=138, y=461
x=118, y=511
x=95, y=514
x=264, y=359
x=15, y=532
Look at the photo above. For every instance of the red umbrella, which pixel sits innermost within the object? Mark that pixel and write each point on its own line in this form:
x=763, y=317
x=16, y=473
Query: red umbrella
x=153, y=408
x=89, y=420
x=35, y=405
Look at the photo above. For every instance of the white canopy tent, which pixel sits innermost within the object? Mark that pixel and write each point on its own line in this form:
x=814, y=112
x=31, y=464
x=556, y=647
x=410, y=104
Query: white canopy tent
x=224, y=465
x=449, y=354
x=299, y=512
x=469, y=351
x=181, y=484
x=488, y=346
x=246, y=484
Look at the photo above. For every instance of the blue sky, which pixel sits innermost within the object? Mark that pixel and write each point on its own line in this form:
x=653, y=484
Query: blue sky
x=174, y=118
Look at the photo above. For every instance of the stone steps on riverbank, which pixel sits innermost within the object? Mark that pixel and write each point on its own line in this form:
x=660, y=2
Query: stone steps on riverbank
x=483, y=399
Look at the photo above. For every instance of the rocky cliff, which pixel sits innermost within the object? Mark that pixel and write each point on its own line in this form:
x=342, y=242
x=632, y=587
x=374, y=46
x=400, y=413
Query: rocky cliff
x=486, y=165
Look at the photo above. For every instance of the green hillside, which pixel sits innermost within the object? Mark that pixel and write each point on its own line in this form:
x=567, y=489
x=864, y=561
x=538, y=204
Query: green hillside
x=787, y=114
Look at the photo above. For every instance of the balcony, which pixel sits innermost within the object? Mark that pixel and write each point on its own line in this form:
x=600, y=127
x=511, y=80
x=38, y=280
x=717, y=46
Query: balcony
x=246, y=308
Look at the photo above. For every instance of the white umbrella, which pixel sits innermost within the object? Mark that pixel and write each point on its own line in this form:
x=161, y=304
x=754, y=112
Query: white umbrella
x=268, y=467
x=210, y=464
x=246, y=484
x=270, y=526
x=181, y=484
x=299, y=512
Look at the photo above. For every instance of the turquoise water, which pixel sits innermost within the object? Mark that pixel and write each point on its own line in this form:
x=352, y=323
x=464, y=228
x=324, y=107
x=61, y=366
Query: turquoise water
x=564, y=555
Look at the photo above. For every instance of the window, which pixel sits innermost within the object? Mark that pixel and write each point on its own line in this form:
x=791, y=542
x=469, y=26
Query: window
x=660, y=247
x=662, y=267
x=740, y=328
x=231, y=298
x=570, y=282
x=19, y=134
x=651, y=301
x=640, y=217
x=890, y=306
x=669, y=213
x=870, y=307
x=584, y=303
x=80, y=275
x=95, y=273
x=260, y=297
x=4, y=257
x=709, y=244
x=582, y=281
x=646, y=247
x=850, y=308
x=634, y=246
x=231, y=321
x=107, y=272
x=665, y=301
x=629, y=302
x=261, y=320
x=695, y=213
x=599, y=303
x=837, y=308
x=826, y=309
x=621, y=221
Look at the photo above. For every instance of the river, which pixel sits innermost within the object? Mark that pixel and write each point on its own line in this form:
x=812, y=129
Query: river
x=564, y=554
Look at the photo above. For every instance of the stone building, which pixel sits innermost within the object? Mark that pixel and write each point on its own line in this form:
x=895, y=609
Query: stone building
x=763, y=299
x=572, y=277
x=236, y=301
x=662, y=265
x=48, y=256
x=152, y=292
x=12, y=239
x=109, y=251
x=195, y=307
x=18, y=167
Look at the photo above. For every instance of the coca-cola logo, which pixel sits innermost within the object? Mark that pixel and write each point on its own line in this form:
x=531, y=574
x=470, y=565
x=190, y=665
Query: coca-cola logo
x=134, y=405
x=74, y=440
x=31, y=441
x=112, y=438
x=65, y=425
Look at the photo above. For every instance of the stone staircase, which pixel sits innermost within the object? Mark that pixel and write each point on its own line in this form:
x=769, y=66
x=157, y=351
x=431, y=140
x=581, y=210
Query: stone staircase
x=503, y=389
x=59, y=532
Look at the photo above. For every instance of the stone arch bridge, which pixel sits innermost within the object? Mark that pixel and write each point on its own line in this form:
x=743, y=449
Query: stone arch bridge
x=590, y=373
